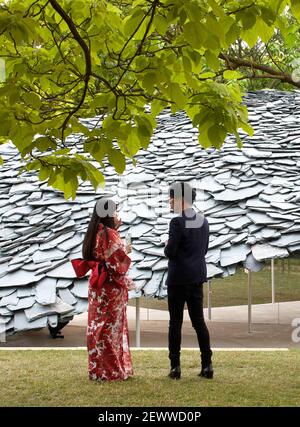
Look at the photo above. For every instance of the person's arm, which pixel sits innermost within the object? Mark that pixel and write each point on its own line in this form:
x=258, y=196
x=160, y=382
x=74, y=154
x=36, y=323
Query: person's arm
x=175, y=234
x=207, y=242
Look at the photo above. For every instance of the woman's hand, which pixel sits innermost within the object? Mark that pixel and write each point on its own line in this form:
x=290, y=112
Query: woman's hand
x=118, y=223
x=129, y=248
x=131, y=287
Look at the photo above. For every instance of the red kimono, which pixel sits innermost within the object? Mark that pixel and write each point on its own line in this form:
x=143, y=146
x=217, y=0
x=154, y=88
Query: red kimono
x=107, y=329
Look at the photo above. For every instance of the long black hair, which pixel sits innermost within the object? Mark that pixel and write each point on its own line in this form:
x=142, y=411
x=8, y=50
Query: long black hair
x=102, y=214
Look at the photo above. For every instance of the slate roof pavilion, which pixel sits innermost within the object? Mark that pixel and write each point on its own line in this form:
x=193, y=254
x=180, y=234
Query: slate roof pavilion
x=251, y=197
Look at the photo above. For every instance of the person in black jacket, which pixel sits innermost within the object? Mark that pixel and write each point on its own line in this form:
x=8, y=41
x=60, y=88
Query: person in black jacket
x=186, y=249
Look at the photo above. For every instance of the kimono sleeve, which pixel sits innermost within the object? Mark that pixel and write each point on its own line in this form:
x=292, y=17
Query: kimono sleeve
x=115, y=255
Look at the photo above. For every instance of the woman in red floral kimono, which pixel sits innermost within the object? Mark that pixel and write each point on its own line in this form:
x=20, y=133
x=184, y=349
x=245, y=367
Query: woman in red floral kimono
x=107, y=332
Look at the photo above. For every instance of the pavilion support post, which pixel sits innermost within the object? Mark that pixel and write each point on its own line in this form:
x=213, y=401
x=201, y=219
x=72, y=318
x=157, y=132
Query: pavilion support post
x=209, y=293
x=273, y=280
x=137, y=323
x=249, y=301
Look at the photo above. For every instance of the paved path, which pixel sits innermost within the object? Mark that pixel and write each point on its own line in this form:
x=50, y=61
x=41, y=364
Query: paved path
x=194, y=349
x=154, y=333
x=278, y=313
x=228, y=329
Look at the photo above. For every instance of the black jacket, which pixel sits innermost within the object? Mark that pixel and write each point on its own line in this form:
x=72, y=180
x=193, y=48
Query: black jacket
x=186, y=248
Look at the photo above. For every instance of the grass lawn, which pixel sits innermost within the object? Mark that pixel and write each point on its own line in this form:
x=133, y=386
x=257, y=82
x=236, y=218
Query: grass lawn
x=59, y=378
x=233, y=290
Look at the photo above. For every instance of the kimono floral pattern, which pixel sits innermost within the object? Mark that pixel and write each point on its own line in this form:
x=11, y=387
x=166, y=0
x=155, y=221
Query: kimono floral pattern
x=109, y=355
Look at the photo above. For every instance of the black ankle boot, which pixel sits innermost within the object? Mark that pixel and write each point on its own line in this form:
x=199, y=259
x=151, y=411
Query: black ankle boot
x=207, y=372
x=175, y=373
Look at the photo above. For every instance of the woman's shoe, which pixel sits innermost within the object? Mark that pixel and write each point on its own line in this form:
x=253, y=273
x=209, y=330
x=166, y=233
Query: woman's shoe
x=207, y=372
x=175, y=373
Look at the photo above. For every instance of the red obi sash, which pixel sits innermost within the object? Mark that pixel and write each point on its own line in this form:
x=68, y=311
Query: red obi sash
x=99, y=273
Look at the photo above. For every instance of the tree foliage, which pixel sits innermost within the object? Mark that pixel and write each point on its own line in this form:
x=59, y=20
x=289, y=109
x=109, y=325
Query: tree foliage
x=124, y=62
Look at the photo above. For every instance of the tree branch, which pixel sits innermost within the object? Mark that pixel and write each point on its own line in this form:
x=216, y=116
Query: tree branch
x=138, y=51
x=241, y=9
x=234, y=63
x=132, y=35
x=88, y=62
x=272, y=59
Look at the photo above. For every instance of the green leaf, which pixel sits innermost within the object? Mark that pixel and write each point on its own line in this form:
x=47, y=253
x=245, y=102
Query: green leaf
x=195, y=34
x=213, y=43
x=217, y=9
x=161, y=24
x=117, y=159
x=177, y=95
x=133, y=143
x=215, y=31
x=250, y=37
x=268, y=15
x=97, y=148
x=232, y=75
x=264, y=30
x=43, y=143
x=92, y=174
x=103, y=100
x=247, y=128
x=70, y=188
x=204, y=140
x=212, y=60
x=96, y=177
x=295, y=6
x=132, y=22
x=187, y=65
x=216, y=134
x=44, y=173
x=32, y=100
x=157, y=107
x=238, y=139
x=144, y=126
x=232, y=34
x=69, y=174
x=248, y=19
x=207, y=75
x=149, y=80
x=196, y=60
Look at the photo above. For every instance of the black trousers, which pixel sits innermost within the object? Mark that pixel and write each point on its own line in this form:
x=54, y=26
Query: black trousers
x=192, y=294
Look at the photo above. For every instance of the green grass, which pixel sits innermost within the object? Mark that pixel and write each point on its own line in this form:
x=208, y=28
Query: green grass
x=59, y=378
x=233, y=290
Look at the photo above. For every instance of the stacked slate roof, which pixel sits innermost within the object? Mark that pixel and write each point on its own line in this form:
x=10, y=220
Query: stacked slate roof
x=251, y=197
